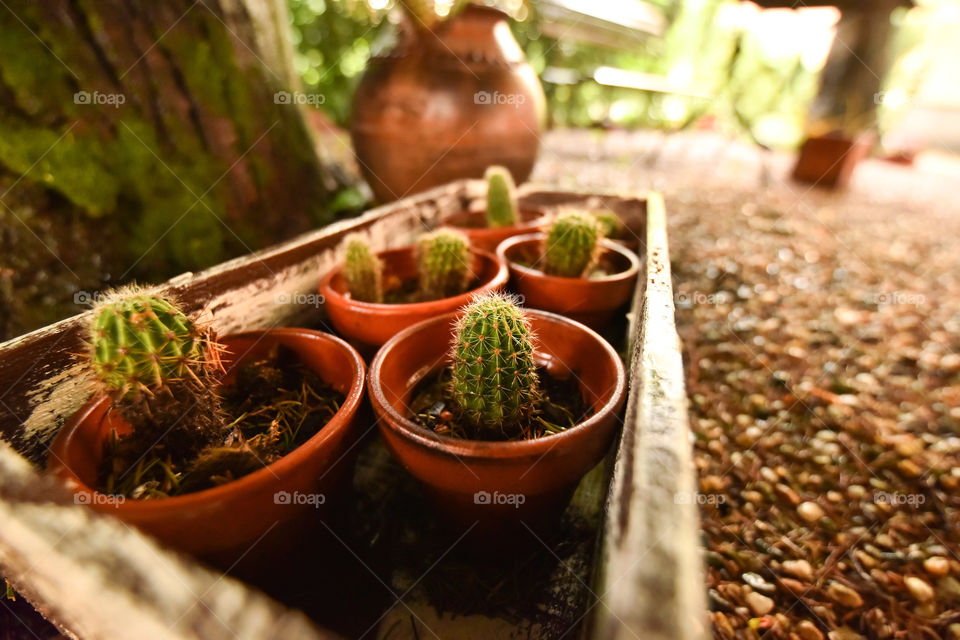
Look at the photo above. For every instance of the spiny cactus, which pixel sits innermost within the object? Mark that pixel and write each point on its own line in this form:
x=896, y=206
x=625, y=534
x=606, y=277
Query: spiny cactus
x=158, y=366
x=443, y=259
x=362, y=270
x=501, y=198
x=611, y=226
x=494, y=376
x=571, y=245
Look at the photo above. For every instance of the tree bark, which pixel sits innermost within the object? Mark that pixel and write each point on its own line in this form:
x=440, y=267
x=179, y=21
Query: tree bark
x=141, y=139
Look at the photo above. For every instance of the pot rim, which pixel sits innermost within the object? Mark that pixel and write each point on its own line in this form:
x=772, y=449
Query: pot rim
x=340, y=421
x=499, y=279
x=487, y=449
x=613, y=247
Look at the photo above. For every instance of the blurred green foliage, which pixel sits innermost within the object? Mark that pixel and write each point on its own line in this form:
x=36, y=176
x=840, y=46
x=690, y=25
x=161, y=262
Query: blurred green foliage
x=724, y=56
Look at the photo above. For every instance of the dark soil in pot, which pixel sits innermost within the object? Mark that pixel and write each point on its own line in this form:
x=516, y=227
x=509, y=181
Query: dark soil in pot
x=561, y=407
x=275, y=403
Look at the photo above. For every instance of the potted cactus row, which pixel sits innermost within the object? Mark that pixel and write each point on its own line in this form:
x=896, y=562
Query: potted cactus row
x=371, y=296
x=190, y=437
x=572, y=269
x=497, y=398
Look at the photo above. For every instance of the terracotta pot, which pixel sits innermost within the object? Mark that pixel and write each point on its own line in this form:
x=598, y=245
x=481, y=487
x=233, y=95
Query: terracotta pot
x=591, y=301
x=373, y=324
x=223, y=523
x=468, y=479
x=473, y=224
x=829, y=161
x=446, y=104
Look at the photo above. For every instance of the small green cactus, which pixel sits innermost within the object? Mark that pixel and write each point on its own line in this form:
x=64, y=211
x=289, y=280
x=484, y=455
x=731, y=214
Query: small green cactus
x=501, y=198
x=571, y=245
x=158, y=366
x=443, y=259
x=494, y=375
x=362, y=270
x=611, y=226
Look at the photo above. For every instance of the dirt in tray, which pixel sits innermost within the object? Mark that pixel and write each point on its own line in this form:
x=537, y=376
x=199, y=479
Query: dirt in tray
x=561, y=407
x=275, y=404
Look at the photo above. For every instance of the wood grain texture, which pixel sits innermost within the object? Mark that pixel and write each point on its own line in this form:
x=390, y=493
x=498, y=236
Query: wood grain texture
x=649, y=581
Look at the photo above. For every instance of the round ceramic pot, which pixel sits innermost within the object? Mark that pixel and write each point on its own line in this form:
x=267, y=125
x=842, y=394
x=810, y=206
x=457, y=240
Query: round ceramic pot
x=499, y=484
x=374, y=323
x=473, y=224
x=446, y=104
x=592, y=301
x=226, y=523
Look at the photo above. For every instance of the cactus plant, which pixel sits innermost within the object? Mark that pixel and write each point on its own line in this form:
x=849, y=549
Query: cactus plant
x=611, y=226
x=571, y=245
x=363, y=270
x=494, y=376
x=501, y=198
x=159, y=367
x=443, y=260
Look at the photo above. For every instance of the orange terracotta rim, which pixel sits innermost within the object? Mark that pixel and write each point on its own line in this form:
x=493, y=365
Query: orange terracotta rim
x=500, y=279
x=485, y=449
x=505, y=247
x=340, y=421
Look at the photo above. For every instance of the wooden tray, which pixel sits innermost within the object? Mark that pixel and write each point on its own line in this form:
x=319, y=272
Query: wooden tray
x=623, y=562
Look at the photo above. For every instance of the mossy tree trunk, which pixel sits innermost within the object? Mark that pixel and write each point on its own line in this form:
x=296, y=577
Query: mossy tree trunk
x=143, y=139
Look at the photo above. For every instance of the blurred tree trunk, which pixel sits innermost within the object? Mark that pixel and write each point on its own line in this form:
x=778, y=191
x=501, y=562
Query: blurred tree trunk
x=143, y=139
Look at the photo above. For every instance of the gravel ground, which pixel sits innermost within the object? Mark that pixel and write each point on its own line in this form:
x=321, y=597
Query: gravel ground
x=822, y=347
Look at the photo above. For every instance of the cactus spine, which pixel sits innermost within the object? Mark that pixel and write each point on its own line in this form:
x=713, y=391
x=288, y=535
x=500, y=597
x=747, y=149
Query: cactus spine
x=443, y=259
x=494, y=376
x=363, y=270
x=501, y=198
x=571, y=245
x=159, y=367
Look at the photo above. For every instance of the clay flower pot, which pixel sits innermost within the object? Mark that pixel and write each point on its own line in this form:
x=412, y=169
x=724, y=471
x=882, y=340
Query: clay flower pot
x=223, y=524
x=591, y=301
x=446, y=104
x=499, y=484
x=374, y=323
x=829, y=161
x=473, y=224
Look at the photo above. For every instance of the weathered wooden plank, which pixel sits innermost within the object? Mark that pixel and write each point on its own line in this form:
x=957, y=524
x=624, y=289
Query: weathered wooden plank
x=95, y=578
x=649, y=581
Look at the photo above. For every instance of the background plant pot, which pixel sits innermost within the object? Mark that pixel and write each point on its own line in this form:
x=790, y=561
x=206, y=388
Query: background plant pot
x=828, y=161
x=229, y=522
x=592, y=301
x=466, y=478
x=446, y=104
x=373, y=323
x=473, y=224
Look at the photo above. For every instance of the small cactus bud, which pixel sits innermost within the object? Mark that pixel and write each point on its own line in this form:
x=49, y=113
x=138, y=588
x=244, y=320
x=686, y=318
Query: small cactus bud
x=611, y=226
x=501, y=198
x=159, y=367
x=494, y=375
x=362, y=270
x=443, y=258
x=571, y=245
